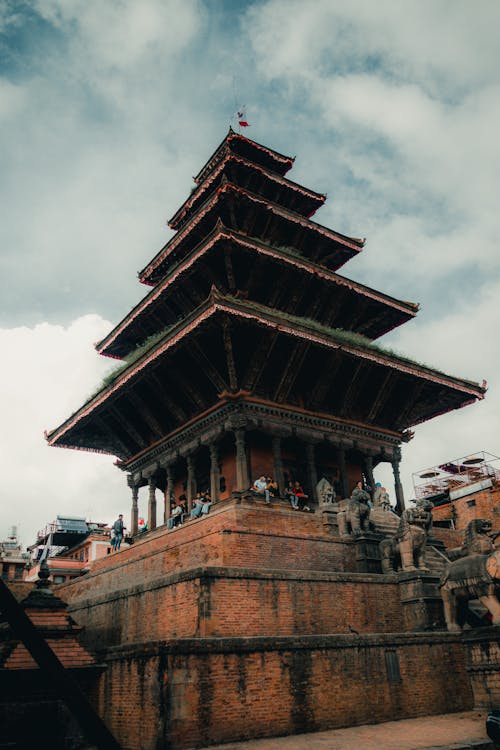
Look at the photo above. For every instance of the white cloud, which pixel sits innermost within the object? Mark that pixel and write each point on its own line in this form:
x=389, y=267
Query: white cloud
x=391, y=107
x=120, y=34
x=461, y=343
x=47, y=372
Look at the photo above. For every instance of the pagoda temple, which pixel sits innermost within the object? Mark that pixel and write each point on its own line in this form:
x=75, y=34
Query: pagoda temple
x=251, y=354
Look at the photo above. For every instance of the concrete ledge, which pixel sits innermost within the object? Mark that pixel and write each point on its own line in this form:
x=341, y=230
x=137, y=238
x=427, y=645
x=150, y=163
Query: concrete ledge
x=279, y=643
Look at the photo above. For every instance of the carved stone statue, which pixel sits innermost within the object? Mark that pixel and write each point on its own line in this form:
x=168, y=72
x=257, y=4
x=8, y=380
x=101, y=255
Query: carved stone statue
x=406, y=548
x=381, y=498
x=325, y=492
x=478, y=540
x=471, y=577
x=354, y=520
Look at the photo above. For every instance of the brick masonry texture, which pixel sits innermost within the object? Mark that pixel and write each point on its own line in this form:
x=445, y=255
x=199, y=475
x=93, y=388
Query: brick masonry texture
x=277, y=584
x=251, y=623
x=193, y=693
x=485, y=506
x=483, y=666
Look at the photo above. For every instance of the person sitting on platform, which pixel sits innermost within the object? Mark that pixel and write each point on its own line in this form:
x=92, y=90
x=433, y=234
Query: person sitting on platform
x=260, y=486
x=175, y=516
x=207, y=502
x=184, y=510
x=291, y=496
x=198, y=503
x=272, y=487
x=301, y=496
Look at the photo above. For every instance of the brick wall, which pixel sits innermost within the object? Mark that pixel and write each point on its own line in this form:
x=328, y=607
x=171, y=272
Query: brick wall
x=478, y=505
x=483, y=666
x=227, y=602
x=193, y=693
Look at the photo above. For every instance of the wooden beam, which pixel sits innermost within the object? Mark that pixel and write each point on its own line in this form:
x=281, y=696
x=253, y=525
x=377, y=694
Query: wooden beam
x=410, y=401
x=324, y=381
x=292, y=369
x=115, y=440
x=52, y=670
x=158, y=389
x=207, y=366
x=383, y=394
x=228, y=346
x=336, y=306
x=228, y=263
x=358, y=376
x=259, y=360
x=146, y=412
x=129, y=428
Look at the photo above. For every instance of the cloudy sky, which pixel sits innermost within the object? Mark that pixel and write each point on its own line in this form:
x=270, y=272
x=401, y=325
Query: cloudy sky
x=107, y=107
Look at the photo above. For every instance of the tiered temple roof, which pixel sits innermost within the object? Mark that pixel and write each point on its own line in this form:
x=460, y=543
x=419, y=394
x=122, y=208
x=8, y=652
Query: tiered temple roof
x=246, y=305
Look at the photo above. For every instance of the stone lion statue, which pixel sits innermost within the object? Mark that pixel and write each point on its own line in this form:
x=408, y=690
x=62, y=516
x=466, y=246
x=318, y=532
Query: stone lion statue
x=472, y=577
x=478, y=540
x=406, y=549
x=354, y=519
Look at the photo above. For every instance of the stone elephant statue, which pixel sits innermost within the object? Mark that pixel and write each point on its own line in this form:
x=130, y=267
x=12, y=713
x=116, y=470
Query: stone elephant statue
x=406, y=549
x=471, y=577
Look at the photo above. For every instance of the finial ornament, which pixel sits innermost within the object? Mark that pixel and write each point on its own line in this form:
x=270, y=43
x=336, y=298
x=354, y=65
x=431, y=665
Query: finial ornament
x=43, y=582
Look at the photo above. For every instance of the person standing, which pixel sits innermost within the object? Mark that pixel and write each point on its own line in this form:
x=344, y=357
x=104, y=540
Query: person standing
x=117, y=533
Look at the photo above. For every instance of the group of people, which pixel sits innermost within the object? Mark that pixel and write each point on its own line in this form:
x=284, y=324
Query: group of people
x=294, y=493
x=378, y=499
x=179, y=509
x=264, y=485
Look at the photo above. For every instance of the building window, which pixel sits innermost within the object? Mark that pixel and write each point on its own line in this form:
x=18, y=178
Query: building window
x=392, y=666
x=5, y=572
x=471, y=503
x=59, y=579
x=18, y=572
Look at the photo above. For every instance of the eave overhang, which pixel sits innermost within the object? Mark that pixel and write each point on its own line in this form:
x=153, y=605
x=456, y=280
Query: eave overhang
x=433, y=392
x=280, y=163
x=398, y=311
x=311, y=200
x=340, y=248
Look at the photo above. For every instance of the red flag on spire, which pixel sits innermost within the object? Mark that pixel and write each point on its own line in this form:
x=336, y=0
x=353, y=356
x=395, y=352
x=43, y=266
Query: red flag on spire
x=241, y=116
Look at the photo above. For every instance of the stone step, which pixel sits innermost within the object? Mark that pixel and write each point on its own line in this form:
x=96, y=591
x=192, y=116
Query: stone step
x=434, y=560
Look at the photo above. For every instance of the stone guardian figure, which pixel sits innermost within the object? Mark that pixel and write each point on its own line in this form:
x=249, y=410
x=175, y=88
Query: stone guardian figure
x=325, y=494
x=354, y=520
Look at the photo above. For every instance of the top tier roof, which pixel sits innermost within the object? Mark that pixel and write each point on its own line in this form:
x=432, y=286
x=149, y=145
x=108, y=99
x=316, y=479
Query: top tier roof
x=237, y=144
x=254, y=177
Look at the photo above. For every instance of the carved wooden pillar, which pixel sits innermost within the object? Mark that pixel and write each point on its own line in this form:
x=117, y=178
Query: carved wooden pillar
x=344, y=486
x=398, y=487
x=152, y=504
x=278, y=465
x=214, y=472
x=191, y=481
x=241, y=461
x=311, y=470
x=369, y=472
x=168, y=492
x=134, y=515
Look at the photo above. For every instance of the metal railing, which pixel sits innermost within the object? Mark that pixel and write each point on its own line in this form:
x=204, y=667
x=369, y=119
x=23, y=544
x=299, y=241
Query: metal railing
x=455, y=474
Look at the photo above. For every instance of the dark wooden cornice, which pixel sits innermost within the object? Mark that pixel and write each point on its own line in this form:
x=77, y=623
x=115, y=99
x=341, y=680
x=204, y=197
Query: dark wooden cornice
x=394, y=311
x=226, y=314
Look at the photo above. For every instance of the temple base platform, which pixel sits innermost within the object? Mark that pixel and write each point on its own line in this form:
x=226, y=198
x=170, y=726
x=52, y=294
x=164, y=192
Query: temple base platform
x=258, y=621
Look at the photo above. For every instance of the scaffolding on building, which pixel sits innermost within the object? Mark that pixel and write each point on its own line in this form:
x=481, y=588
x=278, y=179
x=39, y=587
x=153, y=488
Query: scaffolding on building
x=458, y=476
